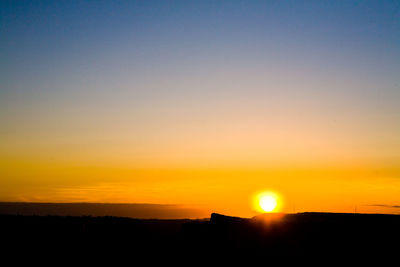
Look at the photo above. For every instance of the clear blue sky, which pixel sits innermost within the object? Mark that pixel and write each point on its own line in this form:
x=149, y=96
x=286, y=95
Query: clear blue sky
x=144, y=84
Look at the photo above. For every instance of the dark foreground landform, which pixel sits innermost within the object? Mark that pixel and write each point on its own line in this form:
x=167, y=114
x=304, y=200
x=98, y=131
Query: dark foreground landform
x=268, y=236
x=130, y=210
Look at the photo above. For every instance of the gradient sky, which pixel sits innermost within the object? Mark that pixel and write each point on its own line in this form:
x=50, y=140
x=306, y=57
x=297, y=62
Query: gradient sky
x=201, y=103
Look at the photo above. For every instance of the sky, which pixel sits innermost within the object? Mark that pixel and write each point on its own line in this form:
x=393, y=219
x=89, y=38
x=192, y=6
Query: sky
x=202, y=103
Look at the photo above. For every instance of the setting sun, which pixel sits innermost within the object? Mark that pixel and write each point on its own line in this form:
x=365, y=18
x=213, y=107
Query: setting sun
x=267, y=202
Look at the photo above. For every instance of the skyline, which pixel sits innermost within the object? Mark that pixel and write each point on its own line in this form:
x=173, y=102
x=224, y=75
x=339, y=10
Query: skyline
x=202, y=104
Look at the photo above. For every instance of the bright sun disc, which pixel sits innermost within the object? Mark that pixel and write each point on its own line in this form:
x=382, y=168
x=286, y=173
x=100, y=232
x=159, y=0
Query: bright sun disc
x=267, y=202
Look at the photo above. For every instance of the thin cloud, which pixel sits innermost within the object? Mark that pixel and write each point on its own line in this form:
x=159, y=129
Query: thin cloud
x=132, y=210
x=385, y=206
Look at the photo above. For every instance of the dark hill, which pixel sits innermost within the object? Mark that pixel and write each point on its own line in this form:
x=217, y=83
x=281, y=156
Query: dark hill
x=272, y=236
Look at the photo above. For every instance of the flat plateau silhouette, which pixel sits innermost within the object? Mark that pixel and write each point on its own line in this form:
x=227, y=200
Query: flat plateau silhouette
x=266, y=237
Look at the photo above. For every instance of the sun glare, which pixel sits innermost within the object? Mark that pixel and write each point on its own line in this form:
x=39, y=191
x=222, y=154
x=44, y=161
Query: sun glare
x=267, y=202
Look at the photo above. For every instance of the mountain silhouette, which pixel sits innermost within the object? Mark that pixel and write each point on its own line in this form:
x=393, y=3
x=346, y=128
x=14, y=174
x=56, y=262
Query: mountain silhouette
x=267, y=236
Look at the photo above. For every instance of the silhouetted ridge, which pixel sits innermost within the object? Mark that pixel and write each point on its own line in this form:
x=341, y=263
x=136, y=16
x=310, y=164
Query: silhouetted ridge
x=217, y=218
x=265, y=236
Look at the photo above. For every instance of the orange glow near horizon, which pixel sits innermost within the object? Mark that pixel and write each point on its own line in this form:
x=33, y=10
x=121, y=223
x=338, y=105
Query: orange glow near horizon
x=220, y=190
